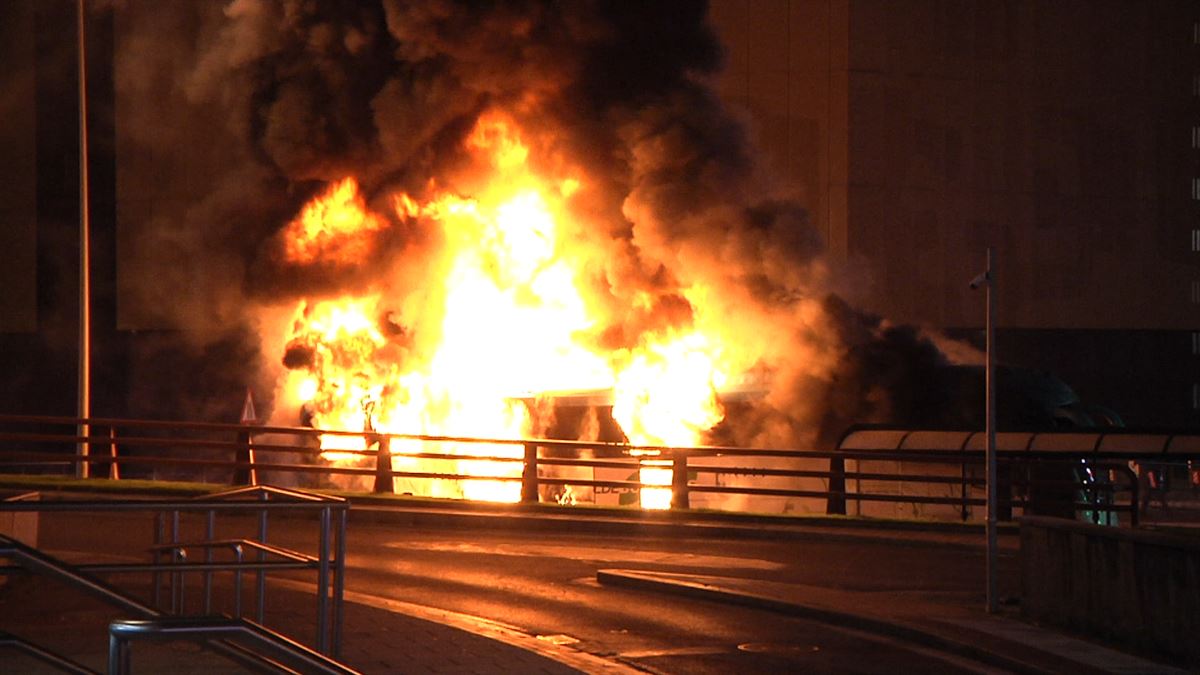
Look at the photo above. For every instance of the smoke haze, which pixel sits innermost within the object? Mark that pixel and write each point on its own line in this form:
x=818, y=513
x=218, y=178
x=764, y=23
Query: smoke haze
x=231, y=116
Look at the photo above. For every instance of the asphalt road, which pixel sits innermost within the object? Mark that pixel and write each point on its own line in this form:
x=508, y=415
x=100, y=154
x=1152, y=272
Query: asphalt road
x=543, y=583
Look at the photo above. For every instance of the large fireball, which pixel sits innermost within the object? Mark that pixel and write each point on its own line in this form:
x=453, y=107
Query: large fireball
x=505, y=315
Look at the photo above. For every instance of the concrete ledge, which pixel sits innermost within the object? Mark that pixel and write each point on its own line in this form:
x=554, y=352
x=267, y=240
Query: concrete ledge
x=1134, y=588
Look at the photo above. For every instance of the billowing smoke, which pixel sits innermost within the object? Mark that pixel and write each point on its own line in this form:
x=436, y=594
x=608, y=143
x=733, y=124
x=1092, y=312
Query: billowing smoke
x=243, y=111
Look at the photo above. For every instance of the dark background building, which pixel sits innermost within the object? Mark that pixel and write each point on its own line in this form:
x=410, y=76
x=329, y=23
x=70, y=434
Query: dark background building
x=1065, y=133
x=1062, y=132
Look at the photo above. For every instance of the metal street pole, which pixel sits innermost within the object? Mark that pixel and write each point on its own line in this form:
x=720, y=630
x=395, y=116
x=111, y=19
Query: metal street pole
x=988, y=278
x=993, y=600
x=85, y=266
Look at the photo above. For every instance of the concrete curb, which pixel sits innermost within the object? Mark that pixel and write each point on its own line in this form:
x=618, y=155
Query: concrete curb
x=879, y=626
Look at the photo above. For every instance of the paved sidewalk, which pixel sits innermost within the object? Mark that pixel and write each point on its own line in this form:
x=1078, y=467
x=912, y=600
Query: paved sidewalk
x=379, y=636
x=391, y=636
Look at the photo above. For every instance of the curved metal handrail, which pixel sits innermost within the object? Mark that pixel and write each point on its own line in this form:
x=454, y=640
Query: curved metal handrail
x=270, y=647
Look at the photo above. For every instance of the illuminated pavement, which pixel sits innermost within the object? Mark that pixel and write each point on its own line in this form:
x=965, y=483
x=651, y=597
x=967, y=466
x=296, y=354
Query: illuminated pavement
x=380, y=637
x=924, y=608
x=504, y=590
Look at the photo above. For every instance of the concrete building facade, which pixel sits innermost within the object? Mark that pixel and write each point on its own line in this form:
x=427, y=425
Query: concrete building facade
x=1064, y=133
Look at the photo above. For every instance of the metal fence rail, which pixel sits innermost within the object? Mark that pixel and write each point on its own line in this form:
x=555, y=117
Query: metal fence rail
x=265, y=648
x=238, y=454
x=270, y=649
x=172, y=561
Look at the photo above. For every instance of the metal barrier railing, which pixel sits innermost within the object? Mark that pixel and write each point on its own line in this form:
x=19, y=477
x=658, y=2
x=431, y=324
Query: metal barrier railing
x=264, y=649
x=259, y=501
x=271, y=648
x=539, y=465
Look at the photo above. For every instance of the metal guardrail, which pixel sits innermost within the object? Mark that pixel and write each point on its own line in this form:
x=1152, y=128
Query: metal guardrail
x=329, y=563
x=264, y=649
x=240, y=454
x=258, y=501
x=273, y=649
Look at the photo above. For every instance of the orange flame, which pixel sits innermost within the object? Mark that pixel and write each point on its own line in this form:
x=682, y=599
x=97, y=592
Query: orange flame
x=501, y=315
x=335, y=227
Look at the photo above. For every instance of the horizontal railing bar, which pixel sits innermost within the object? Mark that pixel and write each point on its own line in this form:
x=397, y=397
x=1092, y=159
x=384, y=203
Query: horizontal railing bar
x=145, y=505
x=194, y=506
x=248, y=543
x=762, y=492
x=667, y=451
x=952, y=458
x=630, y=464
x=437, y=456
x=615, y=456
x=608, y=463
x=270, y=491
x=249, y=565
x=556, y=461
x=290, y=652
x=907, y=455
x=587, y=482
x=138, y=568
x=453, y=476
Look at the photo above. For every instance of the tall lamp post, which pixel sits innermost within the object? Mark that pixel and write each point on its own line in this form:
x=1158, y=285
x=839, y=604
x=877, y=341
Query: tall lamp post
x=988, y=279
x=85, y=267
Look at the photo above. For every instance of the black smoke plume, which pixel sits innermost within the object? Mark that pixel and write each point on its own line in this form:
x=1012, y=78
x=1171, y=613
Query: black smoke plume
x=233, y=115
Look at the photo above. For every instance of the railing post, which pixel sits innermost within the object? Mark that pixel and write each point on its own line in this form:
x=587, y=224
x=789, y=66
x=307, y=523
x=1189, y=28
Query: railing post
x=1133, y=494
x=114, y=470
x=118, y=655
x=836, y=502
x=339, y=582
x=1004, y=490
x=679, y=481
x=239, y=556
x=178, y=555
x=529, y=475
x=159, y=537
x=210, y=535
x=244, y=473
x=323, y=569
x=260, y=591
x=384, y=482
x=964, y=507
